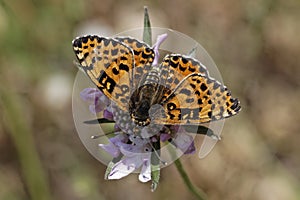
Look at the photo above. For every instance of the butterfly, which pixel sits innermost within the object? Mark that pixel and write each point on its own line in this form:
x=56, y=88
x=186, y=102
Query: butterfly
x=180, y=87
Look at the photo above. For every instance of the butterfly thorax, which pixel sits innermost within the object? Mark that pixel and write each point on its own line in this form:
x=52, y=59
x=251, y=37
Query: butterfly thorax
x=147, y=95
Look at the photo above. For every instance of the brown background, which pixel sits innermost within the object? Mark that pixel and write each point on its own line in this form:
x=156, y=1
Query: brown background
x=256, y=46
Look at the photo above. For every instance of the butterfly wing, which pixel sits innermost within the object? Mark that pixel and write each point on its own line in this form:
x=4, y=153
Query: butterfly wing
x=178, y=67
x=198, y=99
x=143, y=58
x=108, y=63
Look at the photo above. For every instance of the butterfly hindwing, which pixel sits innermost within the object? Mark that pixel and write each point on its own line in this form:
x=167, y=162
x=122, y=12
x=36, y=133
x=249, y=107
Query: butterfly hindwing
x=179, y=66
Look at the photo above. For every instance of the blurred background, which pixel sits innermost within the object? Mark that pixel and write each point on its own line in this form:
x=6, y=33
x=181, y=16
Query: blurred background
x=255, y=45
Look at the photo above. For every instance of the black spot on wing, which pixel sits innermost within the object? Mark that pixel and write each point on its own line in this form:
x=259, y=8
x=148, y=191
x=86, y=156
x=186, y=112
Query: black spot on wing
x=203, y=87
x=106, y=82
x=123, y=67
x=184, y=60
x=85, y=39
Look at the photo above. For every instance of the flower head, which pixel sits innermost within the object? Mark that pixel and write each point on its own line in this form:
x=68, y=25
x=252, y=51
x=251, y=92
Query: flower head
x=136, y=154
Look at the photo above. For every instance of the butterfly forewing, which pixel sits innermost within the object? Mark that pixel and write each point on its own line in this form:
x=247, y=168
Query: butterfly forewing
x=143, y=58
x=108, y=63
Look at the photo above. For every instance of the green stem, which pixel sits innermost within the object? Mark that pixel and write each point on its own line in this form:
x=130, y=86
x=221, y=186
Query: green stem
x=194, y=190
x=22, y=137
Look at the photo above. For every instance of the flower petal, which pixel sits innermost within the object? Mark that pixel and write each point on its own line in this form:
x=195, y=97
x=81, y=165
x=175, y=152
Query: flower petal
x=145, y=174
x=89, y=94
x=96, y=98
x=130, y=150
x=155, y=47
x=191, y=149
x=135, y=161
x=120, y=170
x=119, y=139
x=108, y=115
x=110, y=148
x=164, y=137
x=96, y=107
x=113, y=147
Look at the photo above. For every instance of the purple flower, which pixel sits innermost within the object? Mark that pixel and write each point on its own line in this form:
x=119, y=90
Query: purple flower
x=180, y=138
x=136, y=154
x=108, y=115
x=113, y=147
x=98, y=101
x=165, y=137
x=156, y=46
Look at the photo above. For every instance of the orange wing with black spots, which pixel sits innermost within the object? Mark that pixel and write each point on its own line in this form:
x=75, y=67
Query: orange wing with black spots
x=178, y=67
x=143, y=58
x=198, y=99
x=108, y=63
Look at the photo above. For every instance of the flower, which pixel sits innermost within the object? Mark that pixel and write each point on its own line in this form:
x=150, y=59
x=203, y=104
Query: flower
x=107, y=114
x=114, y=143
x=182, y=140
x=156, y=46
x=98, y=101
x=136, y=153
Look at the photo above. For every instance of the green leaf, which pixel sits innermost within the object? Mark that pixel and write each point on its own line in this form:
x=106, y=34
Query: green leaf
x=98, y=121
x=155, y=175
x=155, y=165
x=147, y=34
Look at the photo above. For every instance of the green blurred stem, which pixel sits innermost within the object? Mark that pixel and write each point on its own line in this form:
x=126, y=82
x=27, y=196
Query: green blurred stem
x=194, y=190
x=22, y=137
